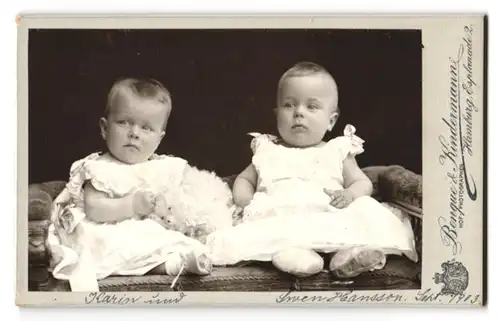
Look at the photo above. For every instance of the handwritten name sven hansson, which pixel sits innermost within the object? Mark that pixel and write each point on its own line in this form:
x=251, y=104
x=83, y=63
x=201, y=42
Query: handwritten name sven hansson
x=345, y=297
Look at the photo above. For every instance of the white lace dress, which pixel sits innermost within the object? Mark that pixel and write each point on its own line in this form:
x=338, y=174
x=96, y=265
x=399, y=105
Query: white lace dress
x=290, y=208
x=86, y=251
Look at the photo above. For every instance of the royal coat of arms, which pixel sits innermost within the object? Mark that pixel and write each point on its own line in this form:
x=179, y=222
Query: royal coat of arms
x=455, y=278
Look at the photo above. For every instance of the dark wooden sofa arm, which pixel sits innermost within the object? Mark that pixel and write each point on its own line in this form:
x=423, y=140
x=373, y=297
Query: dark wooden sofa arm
x=394, y=184
x=40, y=197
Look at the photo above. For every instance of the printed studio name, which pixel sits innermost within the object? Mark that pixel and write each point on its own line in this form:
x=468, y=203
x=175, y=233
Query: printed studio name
x=458, y=144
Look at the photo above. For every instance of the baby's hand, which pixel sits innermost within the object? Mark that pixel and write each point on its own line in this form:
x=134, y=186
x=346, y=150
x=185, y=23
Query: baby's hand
x=160, y=206
x=200, y=232
x=143, y=203
x=340, y=198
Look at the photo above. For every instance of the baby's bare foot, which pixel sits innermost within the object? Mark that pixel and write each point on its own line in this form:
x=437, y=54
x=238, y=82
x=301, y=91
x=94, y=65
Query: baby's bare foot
x=197, y=263
x=354, y=261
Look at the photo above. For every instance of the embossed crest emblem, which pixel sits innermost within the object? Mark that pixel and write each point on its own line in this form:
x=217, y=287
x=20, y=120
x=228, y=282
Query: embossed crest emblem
x=455, y=278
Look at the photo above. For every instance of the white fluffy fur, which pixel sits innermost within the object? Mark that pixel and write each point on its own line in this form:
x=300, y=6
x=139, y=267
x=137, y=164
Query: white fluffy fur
x=202, y=205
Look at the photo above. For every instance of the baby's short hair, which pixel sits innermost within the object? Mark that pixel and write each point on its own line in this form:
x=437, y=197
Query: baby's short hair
x=306, y=68
x=142, y=88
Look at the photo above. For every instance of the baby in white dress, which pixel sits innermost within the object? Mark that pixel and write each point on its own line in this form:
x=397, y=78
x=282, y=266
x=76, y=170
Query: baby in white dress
x=111, y=219
x=302, y=195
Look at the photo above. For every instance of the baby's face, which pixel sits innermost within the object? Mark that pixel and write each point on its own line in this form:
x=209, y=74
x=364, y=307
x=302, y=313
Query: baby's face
x=134, y=128
x=306, y=109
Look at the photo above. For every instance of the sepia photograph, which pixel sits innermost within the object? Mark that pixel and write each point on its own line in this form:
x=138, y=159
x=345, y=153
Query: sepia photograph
x=344, y=110
x=269, y=159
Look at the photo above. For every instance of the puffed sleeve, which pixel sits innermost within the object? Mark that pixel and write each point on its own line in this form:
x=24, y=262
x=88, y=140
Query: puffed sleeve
x=71, y=214
x=259, y=140
x=355, y=143
x=77, y=177
x=348, y=144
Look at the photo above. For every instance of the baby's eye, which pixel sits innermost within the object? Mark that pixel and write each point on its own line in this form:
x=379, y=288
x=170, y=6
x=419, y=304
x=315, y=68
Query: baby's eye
x=146, y=128
x=287, y=105
x=121, y=122
x=312, y=106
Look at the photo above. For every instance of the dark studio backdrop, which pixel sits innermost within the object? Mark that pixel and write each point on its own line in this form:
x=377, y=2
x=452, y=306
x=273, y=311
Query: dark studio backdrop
x=223, y=85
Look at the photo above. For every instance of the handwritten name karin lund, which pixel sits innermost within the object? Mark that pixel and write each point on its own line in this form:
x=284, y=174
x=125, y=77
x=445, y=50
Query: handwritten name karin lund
x=124, y=299
x=458, y=144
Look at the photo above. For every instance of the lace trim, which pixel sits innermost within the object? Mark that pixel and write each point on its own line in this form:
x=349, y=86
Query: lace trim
x=356, y=142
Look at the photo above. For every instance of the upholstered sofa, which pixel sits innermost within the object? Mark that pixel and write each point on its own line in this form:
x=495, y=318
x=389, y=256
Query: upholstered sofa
x=394, y=185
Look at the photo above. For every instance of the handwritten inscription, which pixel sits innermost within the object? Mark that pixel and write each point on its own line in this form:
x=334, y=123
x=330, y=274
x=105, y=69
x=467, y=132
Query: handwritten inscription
x=126, y=299
x=427, y=296
x=343, y=297
x=458, y=144
x=422, y=296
